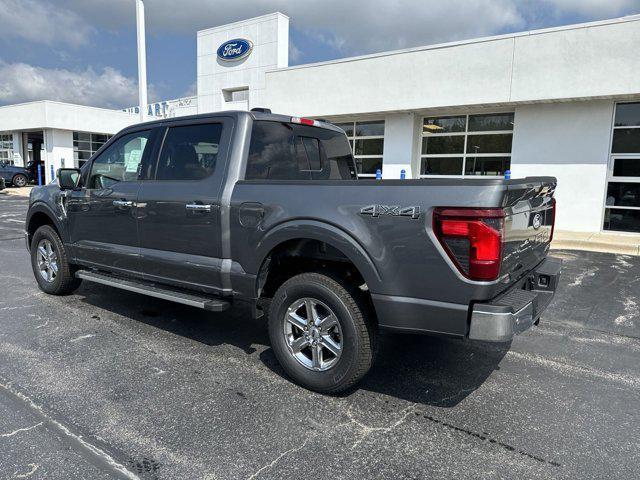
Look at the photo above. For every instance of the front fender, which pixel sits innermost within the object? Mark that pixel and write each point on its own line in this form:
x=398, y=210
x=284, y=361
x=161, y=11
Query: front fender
x=40, y=207
x=323, y=232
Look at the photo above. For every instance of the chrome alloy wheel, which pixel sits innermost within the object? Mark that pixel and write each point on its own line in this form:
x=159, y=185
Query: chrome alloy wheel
x=313, y=334
x=47, y=261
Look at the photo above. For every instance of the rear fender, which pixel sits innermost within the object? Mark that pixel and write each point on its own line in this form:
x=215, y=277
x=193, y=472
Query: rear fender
x=323, y=232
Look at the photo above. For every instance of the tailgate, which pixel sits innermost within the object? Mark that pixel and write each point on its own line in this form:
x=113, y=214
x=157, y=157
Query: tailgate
x=529, y=209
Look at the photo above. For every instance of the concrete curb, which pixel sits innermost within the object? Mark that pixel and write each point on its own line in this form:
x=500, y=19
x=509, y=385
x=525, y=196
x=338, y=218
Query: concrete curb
x=596, y=247
x=597, y=242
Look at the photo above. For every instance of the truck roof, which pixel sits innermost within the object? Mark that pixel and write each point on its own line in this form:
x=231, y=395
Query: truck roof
x=273, y=117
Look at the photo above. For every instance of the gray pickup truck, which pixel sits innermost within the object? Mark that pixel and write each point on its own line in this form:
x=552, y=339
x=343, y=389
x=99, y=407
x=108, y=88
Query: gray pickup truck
x=216, y=209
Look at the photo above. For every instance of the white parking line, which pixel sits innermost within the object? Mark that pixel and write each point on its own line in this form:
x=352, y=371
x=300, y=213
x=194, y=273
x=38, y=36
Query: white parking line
x=97, y=454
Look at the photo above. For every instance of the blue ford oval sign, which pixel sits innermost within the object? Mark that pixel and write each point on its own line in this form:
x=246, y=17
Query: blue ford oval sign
x=236, y=49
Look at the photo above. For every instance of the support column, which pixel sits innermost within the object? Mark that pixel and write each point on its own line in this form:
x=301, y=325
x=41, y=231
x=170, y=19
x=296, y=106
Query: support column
x=400, y=146
x=58, y=151
x=142, y=60
x=18, y=150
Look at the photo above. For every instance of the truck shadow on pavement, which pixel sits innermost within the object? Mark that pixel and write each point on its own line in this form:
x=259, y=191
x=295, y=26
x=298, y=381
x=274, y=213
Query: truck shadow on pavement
x=435, y=371
x=421, y=369
x=234, y=327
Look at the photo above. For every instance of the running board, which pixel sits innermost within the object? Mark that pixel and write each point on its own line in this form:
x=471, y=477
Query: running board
x=153, y=290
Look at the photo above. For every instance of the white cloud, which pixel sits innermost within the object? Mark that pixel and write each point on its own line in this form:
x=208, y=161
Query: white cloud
x=295, y=54
x=192, y=90
x=109, y=88
x=593, y=8
x=350, y=26
x=385, y=25
x=42, y=22
x=355, y=27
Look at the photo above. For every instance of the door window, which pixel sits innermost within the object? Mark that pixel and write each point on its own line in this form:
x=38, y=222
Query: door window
x=190, y=152
x=120, y=162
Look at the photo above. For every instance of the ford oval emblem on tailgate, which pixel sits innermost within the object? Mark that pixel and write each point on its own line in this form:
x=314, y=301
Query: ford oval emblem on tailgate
x=235, y=49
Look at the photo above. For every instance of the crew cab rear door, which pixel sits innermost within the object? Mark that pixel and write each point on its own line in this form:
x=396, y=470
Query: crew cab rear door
x=179, y=207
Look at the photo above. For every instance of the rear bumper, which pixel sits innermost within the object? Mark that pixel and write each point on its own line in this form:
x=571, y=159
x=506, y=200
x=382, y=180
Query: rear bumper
x=517, y=309
x=496, y=320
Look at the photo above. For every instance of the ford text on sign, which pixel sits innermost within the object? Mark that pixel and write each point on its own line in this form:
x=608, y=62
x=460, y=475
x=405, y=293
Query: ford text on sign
x=235, y=49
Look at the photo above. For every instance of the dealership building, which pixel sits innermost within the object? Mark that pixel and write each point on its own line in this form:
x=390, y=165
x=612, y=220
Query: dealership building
x=562, y=101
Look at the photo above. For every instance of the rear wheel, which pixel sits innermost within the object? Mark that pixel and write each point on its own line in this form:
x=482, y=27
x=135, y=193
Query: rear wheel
x=19, y=180
x=320, y=332
x=50, y=263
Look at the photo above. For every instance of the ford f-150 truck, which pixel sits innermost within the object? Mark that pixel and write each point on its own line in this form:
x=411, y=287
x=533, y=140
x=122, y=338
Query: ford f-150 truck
x=216, y=209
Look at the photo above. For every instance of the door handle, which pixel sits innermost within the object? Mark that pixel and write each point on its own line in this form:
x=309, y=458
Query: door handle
x=122, y=203
x=198, y=207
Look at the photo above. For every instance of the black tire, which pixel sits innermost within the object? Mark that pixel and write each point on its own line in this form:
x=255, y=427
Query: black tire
x=64, y=281
x=19, y=180
x=358, y=331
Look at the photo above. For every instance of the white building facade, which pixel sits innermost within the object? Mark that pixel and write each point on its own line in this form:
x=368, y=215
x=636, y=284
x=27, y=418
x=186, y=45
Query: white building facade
x=563, y=102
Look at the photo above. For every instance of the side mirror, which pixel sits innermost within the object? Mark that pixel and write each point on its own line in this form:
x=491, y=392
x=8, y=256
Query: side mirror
x=68, y=178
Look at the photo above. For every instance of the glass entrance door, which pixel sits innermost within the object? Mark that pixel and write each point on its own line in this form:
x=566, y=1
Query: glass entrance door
x=622, y=204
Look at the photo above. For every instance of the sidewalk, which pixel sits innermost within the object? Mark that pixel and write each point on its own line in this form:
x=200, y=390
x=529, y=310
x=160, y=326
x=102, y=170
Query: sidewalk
x=20, y=192
x=627, y=244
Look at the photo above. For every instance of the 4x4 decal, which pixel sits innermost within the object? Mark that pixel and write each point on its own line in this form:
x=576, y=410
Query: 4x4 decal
x=391, y=210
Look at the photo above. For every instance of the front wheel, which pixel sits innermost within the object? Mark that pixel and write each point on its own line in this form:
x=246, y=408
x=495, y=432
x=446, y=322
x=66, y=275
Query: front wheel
x=19, y=180
x=320, y=332
x=50, y=264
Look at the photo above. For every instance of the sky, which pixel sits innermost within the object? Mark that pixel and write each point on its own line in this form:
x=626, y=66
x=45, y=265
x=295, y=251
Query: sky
x=84, y=51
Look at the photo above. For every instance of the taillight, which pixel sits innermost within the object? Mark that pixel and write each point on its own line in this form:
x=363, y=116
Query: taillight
x=472, y=238
x=553, y=218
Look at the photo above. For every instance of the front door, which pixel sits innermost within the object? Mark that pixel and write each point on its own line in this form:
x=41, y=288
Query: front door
x=102, y=214
x=179, y=208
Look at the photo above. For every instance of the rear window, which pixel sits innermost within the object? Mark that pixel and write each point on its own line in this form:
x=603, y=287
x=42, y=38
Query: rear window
x=284, y=151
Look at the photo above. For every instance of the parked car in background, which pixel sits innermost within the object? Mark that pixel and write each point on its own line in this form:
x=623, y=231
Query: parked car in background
x=216, y=209
x=12, y=175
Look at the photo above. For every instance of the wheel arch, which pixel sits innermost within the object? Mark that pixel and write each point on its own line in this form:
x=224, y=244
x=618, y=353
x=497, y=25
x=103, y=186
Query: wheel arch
x=40, y=214
x=300, y=239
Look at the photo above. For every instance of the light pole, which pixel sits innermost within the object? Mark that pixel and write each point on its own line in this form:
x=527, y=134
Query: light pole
x=142, y=60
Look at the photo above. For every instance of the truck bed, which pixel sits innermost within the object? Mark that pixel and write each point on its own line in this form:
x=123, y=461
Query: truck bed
x=386, y=228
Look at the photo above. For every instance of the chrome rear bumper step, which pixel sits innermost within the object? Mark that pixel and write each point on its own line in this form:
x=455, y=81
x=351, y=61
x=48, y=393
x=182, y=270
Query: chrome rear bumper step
x=154, y=290
x=516, y=310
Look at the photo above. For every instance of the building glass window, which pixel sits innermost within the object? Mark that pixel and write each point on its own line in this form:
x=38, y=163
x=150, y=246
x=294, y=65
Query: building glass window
x=467, y=145
x=6, y=147
x=367, y=142
x=85, y=144
x=622, y=204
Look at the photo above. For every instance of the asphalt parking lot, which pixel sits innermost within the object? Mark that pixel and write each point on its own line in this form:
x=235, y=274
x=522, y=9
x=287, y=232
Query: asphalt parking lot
x=110, y=384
